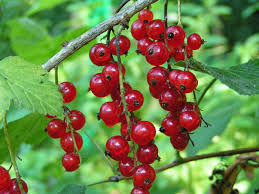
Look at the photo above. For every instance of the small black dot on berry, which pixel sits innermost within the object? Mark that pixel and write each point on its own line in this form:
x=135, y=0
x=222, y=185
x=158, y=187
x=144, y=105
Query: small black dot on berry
x=182, y=87
x=101, y=54
x=170, y=35
x=136, y=103
x=150, y=51
x=145, y=21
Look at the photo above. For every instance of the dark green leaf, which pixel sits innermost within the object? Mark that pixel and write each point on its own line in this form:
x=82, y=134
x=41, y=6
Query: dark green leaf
x=73, y=189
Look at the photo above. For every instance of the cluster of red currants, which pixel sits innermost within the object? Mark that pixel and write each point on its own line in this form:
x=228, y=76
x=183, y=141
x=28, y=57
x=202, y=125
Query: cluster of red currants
x=159, y=44
x=8, y=185
x=58, y=128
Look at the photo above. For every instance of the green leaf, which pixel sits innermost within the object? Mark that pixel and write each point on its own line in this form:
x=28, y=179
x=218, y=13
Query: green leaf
x=28, y=86
x=73, y=188
x=29, y=129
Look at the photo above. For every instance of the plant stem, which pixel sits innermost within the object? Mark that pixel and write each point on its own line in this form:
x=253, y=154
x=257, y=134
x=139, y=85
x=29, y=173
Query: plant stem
x=206, y=89
x=12, y=155
x=179, y=14
x=56, y=75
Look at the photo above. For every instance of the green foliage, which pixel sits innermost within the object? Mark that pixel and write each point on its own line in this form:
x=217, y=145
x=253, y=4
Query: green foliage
x=73, y=188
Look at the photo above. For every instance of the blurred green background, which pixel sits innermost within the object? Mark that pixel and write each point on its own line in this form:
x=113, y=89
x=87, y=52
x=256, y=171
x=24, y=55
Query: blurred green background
x=35, y=29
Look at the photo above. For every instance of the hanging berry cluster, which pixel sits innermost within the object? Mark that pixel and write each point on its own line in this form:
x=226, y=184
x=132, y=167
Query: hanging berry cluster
x=65, y=129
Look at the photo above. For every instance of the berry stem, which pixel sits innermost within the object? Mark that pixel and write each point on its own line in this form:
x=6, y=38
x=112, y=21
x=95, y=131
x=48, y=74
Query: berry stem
x=12, y=155
x=179, y=14
x=56, y=75
x=206, y=89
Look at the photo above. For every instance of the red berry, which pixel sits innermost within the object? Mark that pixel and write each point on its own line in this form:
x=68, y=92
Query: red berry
x=99, y=86
x=56, y=128
x=138, y=30
x=156, y=29
x=157, y=54
x=124, y=129
x=179, y=141
x=126, y=167
x=124, y=44
x=156, y=91
x=175, y=36
x=157, y=76
x=173, y=75
x=5, y=179
x=194, y=41
x=145, y=15
x=144, y=176
x=134, y=99
x=116, y=94
x=99, y=54
x=68, y=91
x=139, y=190
x=143, y=132
x=147, y=154
x=110, y=113
x=67, y=142
x=173, y=115
x=111, y=73
x=189, y=106
x=190, y=120
x=77, y=119
x=171, y=99
x=179, y=55
x=14, y=188
x=143, y=45
x=71, y=161
x=170, y=126
x=50, y=116
x=186, y=82
x=117, y=147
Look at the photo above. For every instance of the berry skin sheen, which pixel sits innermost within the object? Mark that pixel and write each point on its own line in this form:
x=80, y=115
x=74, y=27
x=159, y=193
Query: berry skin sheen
x=143, y=132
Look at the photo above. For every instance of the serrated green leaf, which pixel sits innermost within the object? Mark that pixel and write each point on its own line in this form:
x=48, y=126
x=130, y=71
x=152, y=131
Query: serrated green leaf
x=28, y=86
x=73, y=188
x=29, y=129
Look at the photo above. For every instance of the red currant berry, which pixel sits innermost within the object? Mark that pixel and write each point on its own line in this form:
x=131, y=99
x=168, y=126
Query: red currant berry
x=186, y=82
x=67, y=142
x=110, y=113
x=77, y=119
x=157, y=76
x=138, y=30
x=139, y=190
x=173, y=115
x=50, y=116
x=14, y=188
x=156, y=91
x=126, y=167
x=194, y=41
x=144, y=176
x=147, y=154
x=171, y=99
x=99, y=54
x=116, y=94
x=173, y=75
x=143, y=45
x=157, y=54
x=124, y=44
x=124, y=129
x=68, y=90
x=170, y=126
x=5, y=179
x=56, y=128
x=179, y=141
x=99, y=86
x=134, y=99
x=71, y=161
x=189, y=106
x=179, y=55
x=175, y=36
x=145, y=15
x=190, y=120
x=143, y=132
x=117, y=147
x=156, y=29
x=111, y=73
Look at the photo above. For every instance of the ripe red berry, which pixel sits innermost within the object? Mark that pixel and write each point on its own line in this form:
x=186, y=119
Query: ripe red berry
x=190, y=120
x=156, y=91
x=110, y=113
x=68, y=90
x=189, y=106
x=139, y=190
x=186, y=82
x=179, y=55
x=173, y=75
x=145, y=15
x=5, y=179
x=138, y=30
x=99, y=54
x=50, y=116
x=144, y=176
x=143, y=45
x=173, y=115
x=175, y=36
x=157, y=54
x=157, y=76
x=147, y=154
x=56, y=128
x=67, y=143
x=156, y=29
x=124, y=44
x=71, y=161
x=126, y=167
x=116, y=94
x=134, y=99
x=117, y=147
x=111, y=73
x=99, y=86
x=77, y=119
x=194, y=41
x=143, y=132
x=179, y=141
x=170, y=126
x=14, y=188
x=171, y=99
x=124, y=129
